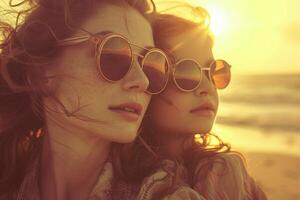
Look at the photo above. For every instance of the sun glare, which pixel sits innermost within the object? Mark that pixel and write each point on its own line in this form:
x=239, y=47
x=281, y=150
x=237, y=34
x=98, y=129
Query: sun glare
x=218, y=23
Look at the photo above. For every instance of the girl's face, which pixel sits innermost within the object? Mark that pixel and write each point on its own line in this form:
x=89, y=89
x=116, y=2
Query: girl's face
x=173, y=110
x=86, y=95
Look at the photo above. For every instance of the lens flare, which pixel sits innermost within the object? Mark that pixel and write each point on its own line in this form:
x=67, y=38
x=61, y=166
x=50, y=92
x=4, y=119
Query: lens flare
x=218, y=21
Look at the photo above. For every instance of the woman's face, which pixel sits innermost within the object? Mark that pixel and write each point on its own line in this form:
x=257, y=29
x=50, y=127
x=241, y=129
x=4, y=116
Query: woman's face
x=87, y=95
x=172, y=110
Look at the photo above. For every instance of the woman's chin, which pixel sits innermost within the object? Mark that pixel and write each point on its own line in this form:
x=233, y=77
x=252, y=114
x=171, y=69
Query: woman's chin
x=124, y=137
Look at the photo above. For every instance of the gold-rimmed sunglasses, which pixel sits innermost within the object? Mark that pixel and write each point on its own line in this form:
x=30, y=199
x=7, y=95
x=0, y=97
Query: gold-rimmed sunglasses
x=115, y=59
x=188, y=73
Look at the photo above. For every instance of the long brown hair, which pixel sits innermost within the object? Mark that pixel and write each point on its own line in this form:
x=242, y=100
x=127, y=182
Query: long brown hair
x=141, y=158
x=27, y=46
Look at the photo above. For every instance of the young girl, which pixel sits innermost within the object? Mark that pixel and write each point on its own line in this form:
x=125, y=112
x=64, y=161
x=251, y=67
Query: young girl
x=75, y=77
x=174, y=151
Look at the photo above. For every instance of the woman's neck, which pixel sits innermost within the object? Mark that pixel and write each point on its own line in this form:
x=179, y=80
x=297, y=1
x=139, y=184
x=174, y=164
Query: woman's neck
x=70, y=164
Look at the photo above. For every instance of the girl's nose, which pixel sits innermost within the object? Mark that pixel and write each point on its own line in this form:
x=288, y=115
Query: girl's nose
x=205, y=88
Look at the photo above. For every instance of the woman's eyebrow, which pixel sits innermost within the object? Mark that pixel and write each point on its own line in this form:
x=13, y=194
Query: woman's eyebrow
x=149, y=47
x=143, y=48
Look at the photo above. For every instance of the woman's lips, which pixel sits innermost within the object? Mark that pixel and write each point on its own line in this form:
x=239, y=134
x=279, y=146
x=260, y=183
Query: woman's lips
x=206, y=109
x=130, y=111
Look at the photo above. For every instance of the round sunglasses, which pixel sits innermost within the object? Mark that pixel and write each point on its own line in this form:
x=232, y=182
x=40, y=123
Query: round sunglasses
x=188, y=73
x=115, y=58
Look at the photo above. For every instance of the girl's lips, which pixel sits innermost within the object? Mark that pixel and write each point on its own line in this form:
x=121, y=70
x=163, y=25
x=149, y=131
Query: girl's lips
x=205, y=109
x=130, y=111
x=204, y=112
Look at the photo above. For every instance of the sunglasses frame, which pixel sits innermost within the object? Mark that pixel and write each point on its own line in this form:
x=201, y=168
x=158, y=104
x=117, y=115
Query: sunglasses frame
x=100, y=40
x=229, y=66
x=201, y=69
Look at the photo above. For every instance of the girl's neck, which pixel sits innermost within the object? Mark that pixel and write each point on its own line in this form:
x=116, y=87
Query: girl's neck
x=172, y=144
x=70, y=165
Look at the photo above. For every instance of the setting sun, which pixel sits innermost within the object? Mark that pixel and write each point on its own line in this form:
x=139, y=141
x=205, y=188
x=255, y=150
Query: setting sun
x=255, y=39
x=218, y=20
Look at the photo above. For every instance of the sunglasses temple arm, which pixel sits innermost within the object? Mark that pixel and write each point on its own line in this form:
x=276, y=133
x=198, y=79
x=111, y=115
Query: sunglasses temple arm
x=138, y=55
x=73, y=40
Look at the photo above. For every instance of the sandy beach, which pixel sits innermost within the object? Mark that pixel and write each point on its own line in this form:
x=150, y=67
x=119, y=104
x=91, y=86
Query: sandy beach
x=277, y=174
x=273, y=159
x=259, y=116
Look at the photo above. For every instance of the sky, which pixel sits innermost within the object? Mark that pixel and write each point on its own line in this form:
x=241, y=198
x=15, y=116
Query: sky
x=254, y=36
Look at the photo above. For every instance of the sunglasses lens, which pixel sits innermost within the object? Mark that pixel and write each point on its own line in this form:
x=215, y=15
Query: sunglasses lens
x=155, y=67
x=187, y=75
x=220, y=73
x=115, y=58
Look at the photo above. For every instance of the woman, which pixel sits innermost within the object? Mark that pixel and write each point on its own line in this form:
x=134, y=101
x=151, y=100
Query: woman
x=174, y=149
x=75, y=77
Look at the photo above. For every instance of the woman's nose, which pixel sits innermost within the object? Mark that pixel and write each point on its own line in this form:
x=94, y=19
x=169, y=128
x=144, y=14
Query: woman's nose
x=135, y=79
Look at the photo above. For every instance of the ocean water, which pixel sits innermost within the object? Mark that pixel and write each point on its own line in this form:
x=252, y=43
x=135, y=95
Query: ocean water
x=269, y=103
x=261, y=113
